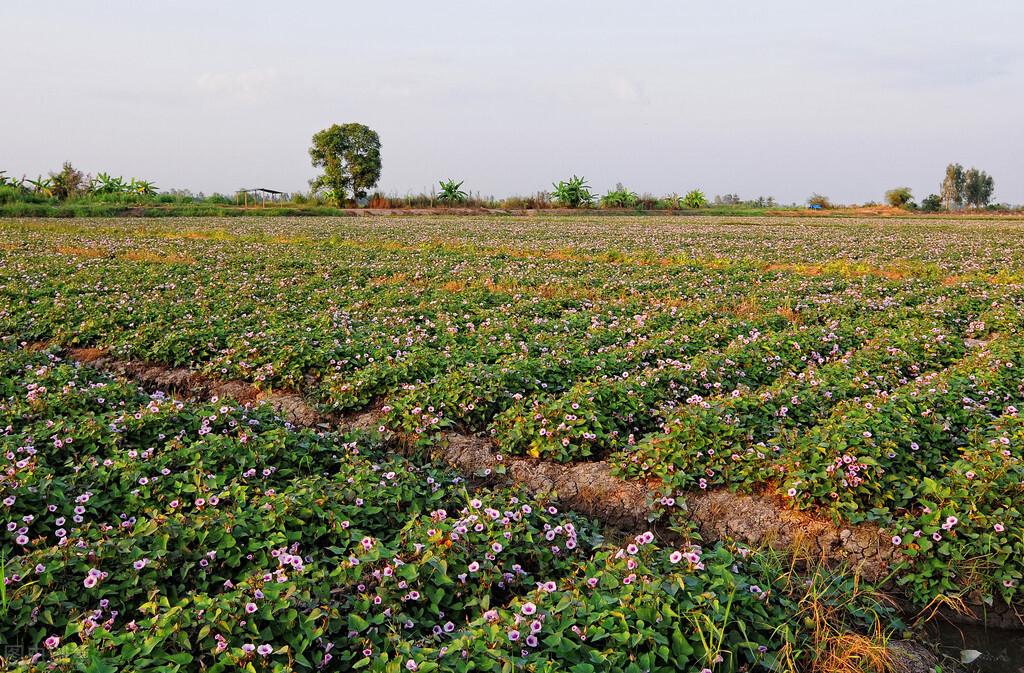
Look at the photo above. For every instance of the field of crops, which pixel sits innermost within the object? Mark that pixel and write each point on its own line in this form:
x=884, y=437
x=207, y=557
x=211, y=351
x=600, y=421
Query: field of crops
x=866, y=371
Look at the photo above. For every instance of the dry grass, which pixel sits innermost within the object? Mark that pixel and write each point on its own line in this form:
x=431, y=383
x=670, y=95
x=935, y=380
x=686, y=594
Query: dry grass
x=789, y=314
x=291, y=240
x=393, y=279
x=748, y=307
x=200, y=235
x=850, y=269
x=81, y=251
x=942, y=603
x=833, y=646
x=87, y=354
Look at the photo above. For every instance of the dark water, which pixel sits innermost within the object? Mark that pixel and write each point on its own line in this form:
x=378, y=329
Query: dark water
x=1001, y=651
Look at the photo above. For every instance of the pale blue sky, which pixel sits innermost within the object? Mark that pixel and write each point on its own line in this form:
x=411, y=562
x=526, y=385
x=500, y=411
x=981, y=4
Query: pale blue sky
x=778, y=98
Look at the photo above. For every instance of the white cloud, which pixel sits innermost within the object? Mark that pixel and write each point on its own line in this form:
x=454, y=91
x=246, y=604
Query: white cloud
x=247, y=85
x=628, y=90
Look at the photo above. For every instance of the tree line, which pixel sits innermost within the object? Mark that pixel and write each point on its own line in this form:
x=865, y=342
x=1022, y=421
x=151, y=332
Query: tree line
x=350, y=157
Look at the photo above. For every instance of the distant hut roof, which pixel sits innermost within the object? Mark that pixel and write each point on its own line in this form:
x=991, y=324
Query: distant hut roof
x=259, y=196
x=260, y=189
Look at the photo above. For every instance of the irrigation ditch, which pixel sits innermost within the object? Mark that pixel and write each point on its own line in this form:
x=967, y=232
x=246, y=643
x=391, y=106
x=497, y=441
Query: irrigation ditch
x=627, y=506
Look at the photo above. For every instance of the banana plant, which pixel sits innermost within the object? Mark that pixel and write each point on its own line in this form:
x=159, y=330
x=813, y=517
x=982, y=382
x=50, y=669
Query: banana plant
x=620, y=198
x=141, y=187
x=451, y=192
x=695, y=199
x=105, y=184
x=573, y=193
x=42, y=186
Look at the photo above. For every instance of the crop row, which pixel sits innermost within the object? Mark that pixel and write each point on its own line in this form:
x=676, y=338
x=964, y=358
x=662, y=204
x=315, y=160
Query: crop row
x=145, y=532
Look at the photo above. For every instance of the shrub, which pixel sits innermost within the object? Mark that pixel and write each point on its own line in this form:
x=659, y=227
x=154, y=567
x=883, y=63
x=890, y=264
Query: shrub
x=932, y=204
x=819, y=201
x=68, y=182
x=899, y=197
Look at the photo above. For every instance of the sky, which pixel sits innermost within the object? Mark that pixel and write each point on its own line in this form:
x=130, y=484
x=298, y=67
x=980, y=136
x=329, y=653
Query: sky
x=782, y=98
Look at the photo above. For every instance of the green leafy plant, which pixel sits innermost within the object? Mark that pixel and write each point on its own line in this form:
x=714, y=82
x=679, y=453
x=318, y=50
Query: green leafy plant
x=620, y=197
x=141, y=187
x=451, y=192
x=42, y=186
x=695, y=199
x=107, y=184
x=574, y=193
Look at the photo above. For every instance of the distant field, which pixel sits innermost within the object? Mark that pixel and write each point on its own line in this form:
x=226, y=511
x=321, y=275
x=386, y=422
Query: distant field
x=865, y=370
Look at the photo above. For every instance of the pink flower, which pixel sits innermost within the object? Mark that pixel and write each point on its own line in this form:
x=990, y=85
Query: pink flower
x=264, y=649
x=897, y=540
x=999, y=528
x=250, y=608
x=52, y=642
x=675, y=557
x=528, y=608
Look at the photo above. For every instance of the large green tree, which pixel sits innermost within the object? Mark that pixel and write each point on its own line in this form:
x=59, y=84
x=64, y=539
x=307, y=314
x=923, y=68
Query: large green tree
x=978, y=187
x=349, y=155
